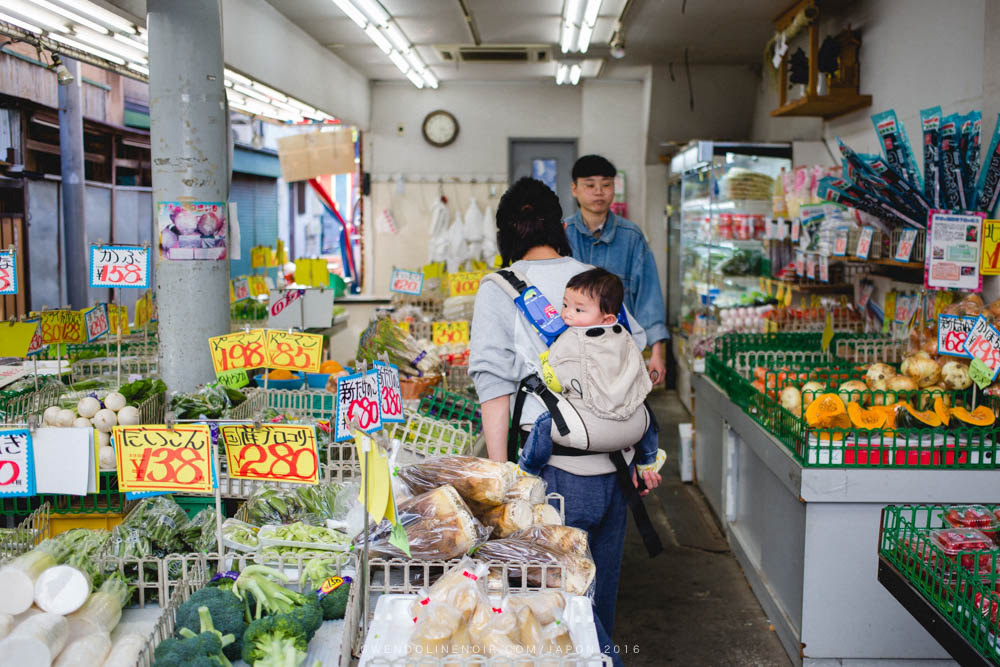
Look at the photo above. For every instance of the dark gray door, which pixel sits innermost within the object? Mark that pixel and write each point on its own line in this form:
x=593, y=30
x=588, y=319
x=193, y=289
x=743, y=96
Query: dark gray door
x=548, y=160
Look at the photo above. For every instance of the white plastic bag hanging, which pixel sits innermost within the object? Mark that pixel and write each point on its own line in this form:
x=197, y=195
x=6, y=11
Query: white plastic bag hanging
x=458, y=249
x=437, y=245
x=489, y=250
x=473, y=229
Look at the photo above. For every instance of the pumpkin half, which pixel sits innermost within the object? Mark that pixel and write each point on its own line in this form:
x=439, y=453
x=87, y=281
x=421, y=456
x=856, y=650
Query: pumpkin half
x=980, y=417
x=941, y=410
x=865, y=419
x=824, y=410
x=910, y=417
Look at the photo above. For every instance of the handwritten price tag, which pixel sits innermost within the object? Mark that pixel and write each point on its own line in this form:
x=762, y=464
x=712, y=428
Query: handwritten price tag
x=119, y=266
x=444, y=333
x=840, y=242
x=406, y=282
x=234, y=379
x=390, y=392
x=96, y=322
x=241, y=288
x=285, y=452
x=824, y=268
x=258, y=286
x=906, y=240
x=465, y=283
x=989, y=258
x=74, y=327
x=141, y=313
x=36, y=345
x=8, y=272
x=983, y=343
x=811, y=266
x=866, y=294
x=239, y=350
x=796, y=229
x=864, y=242
x=800, y=263
x=155, y=458
x=358, y=396
x=953, y=331
x=17, y=464
x=114, y=312
x=294, y=351
x=285, y=300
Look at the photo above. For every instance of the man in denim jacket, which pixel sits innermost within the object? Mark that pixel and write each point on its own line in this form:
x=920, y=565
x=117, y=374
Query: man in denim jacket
x=599, y=237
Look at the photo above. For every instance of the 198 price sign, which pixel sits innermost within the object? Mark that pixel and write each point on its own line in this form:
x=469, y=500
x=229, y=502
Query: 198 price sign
x=119, y=266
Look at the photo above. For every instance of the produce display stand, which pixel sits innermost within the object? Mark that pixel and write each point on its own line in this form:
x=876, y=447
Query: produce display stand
x=443, y=404
x=26, y=535
x=138, y=365
x=801, y=519
x=424, y=436
x=16, y=406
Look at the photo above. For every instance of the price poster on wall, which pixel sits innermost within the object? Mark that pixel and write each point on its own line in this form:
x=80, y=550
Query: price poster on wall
x=276, y=452
x=390, y=393
x=119, y=266
x=445, y=333
x=983, y=343
x=96, y=322
x=156, y=458
x=358, y=396
x=953, y=330
x=243, y=349
x=864, y=242
x=8, y=272
x=17, y=474
x=406, y=282
x=953, y=250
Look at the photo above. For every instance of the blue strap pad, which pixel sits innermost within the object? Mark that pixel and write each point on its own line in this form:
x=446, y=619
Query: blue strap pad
x=541, y=314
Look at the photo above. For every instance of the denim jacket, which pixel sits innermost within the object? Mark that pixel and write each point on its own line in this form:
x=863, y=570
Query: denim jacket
x=622, y=250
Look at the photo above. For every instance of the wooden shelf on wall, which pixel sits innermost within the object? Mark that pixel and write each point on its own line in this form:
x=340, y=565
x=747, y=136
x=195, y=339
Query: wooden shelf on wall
x=825, y=106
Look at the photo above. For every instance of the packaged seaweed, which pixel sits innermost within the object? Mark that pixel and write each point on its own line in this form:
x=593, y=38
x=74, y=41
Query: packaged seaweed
x=930, y=122
x=952, y=190
x=896, y=146
x=970, y=153
x=988, y=185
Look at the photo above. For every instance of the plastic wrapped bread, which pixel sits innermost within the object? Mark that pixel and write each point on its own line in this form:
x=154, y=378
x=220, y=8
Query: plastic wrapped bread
x=564, y=538
x=463, y=588
x=546, y=606
x=529, y=631
x=493, y=630
x=433, y=633
x=508, y=518
x=528, y=488
x=546, y=515
x=439, y=526
x=481, y=483
x=579, y=570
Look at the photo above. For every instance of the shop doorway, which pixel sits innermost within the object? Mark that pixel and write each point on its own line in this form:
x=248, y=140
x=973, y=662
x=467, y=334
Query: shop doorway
x=548, y=160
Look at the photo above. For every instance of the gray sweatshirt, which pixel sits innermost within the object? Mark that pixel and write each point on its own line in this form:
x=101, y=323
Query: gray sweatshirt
x=504, y=349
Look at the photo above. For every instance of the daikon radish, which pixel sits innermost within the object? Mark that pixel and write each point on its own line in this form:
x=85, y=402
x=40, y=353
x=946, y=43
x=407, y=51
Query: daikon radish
x=102, y=610
x=35, y=642
x=61, y=589
x=17, y=580
x=25, y=615
x=6, y=625
x=125, y=652
x=87, y=651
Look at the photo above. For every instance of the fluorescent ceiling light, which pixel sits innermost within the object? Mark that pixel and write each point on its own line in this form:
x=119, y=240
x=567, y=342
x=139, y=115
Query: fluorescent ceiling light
x=574, y=74
x=399, y=61
x=105, y=43
x=352, y=12
x=568, y=36
x=380, y=41
x=591, y=12
x=47, y=20
x=374, y=10
x=250, y=92
x=238, y=78
x=88, y=49
x=415, y=61
x=562, y=71
x=75, y=18
x=134, y=43
x=101, y=14
x=415, y=79
x=397, y=38
x=301, y=106
x=270, y=92
x=20, y=24
x=139, y=68
x=430, y=79
x=586, y=32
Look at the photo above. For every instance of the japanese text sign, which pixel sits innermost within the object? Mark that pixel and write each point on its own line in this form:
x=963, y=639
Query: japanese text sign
x=234, y=379
x=156, y=458
x=119, y=266
x=465, y=283
x=8, y=272
x=17, y=475
x=811, y=266
x=952, y=333
x=116, y=313
x=406, y=282
x=905, y=248
x=953, y=251
x=444, y=333
x=796, y=227
x=239, y=350
x=983, y=343
x=824, y=268
x=800, y=263
x=241, y=288
x=36, y=344
x=864, y=242
x=989, y=258
x=16, y=338
x=278, y=452
x=390, y=392
x=96, y=322
x=840, y=242
x=294, y=351
x=63, y=326
x=866, y=294
x=357, y=398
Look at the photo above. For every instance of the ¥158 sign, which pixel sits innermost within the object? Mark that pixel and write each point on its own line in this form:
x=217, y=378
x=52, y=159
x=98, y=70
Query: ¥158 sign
x=119, y=266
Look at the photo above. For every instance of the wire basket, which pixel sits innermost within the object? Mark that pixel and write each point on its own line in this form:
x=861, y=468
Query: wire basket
x=26, y=535
x=424, y=436
x=442, y=404
x=91, y=368
x=432, y=306
x=15, y=407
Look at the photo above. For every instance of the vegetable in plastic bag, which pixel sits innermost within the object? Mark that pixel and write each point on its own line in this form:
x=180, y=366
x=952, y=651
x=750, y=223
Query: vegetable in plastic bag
x=579, y=570
x=162, y=519
x=199, y=533
x=481, y=482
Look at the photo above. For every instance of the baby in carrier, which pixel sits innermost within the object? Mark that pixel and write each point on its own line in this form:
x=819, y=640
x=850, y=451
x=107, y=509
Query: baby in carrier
x=596, y=363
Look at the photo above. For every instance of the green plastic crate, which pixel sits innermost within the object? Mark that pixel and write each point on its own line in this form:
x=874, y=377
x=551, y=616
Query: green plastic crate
x=448, y=405
x=194, y=504
x=107, y=499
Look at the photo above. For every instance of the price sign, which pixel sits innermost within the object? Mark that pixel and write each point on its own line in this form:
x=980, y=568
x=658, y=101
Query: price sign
x=278, y=452
x=405, y=326
x=983, y=343
x=141, y=313
x=114, y=312
x=239, y=350
x=241, y=288
x=953, y=330
x=800, y=263
x=258, y=286
x=16, y=338
x=74, y=327
x=864, y=242
x=980, y=374
x=989, y=251
x=358, y=396
x=866, y=294
x=445, y=333
x=406, y=282
x=905, y=248
x=464, y=283
x=119, y=266
x=840, y=242
x=17, y=464
x=156, y=458
x=8, y=272
x=811, y=266
x=902, y=309
x=824, y=268
x=234, y=379
x=390, y=393
x=827, y=332
x=36, y=345
x=294, y=351
x=285, y=300
x=96, y=322
x=796, y=229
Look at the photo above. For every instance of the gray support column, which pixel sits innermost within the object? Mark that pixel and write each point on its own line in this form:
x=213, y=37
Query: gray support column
x=188, y=117
x=74, y=223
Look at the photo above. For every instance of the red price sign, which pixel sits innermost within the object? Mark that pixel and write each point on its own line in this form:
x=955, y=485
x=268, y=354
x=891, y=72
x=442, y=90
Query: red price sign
x=358, y=404
x=800, y=263
x=119, y=266
x=445, y=333
x=864, y=242
x=905, y=248
x=811, y=266
x=840, y=242
x=796, y=229
x=17, y=475
x=824, y=268
x=241, y=287
x=953, y=331
x=239, y=350
x=406, y=282
x=36, y=344
x=294, y=351
x=8, y=272
x=280, y=452
x=156, y=458
x=96, y=322
x=983, y=343
x=390, y=392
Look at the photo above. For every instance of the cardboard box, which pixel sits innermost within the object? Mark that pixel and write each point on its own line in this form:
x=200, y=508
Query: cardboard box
x=311, y=154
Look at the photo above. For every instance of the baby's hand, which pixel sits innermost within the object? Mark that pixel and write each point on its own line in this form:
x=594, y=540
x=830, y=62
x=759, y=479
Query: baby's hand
x=652, y=479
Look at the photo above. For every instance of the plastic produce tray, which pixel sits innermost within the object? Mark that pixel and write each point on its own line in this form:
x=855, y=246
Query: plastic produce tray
x=107, y=499
x=266, y=540
x=447, y=405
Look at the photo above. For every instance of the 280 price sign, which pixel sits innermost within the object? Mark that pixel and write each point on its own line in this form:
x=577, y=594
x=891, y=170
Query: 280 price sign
x=280, y=452
x=119, y=266
x=156, y=458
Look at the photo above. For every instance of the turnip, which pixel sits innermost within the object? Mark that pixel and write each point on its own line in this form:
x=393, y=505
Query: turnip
x=6, y=625
x=66, y=417
x=61, y=589
x=103, y=439
x=114, y=401
x=106, y=456
x=186, y=222
x=168, y=239
x=50, y=415
x=82, y=422
x=37, y=641
x=209, y=224
x=88, y=406
x=85, y=652
x=128, y=416
x=105, y=420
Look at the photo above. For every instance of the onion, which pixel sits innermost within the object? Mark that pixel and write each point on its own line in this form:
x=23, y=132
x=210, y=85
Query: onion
x=209, y=224
x=114, y=401
x=186, y=222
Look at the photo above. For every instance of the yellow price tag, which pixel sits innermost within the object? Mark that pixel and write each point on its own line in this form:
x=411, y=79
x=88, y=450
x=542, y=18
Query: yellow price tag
x=74, y=327
x=377, y=479
x=156, y=458
x=827, y=331
x=303, y=271
x=15, y=339
x=239, y=350
x=788, y=296
x=281, y=257
x=113, y=313
x=465, y=283
x=433, y=270
x=294, y=351
x=989, y=262
x=405, y=326
x=319, y=274
x=275, y=452
x=444, y=333
x=232, y=292
x=780, y=294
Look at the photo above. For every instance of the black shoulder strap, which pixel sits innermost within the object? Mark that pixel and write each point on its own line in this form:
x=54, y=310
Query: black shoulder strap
x=646, y=530
x=532, y=385
x=511, y=277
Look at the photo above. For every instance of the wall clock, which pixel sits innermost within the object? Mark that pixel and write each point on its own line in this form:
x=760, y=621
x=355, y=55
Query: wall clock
x=440, y=128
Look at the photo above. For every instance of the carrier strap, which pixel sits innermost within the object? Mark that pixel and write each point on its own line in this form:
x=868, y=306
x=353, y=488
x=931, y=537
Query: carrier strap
x=532, y=385
x=642, y=521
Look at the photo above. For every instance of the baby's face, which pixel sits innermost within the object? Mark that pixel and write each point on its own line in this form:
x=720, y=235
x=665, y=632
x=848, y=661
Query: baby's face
x=580, y=310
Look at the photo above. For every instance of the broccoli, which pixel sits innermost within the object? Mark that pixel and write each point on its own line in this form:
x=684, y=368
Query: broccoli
x=226, y=612
x=275, y=641
x=334, y=603
x=310, y=615
x=271, y=596
x=202, y=650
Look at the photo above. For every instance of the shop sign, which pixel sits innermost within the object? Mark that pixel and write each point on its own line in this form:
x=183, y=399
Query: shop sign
x=391, y=393
x=119, y=266
x=446, y=333
x=8, y=272
x=157, y=458
x=406, y=282
x=358, y=399
x=17, y=474
x=274, y=452
x=953, y=330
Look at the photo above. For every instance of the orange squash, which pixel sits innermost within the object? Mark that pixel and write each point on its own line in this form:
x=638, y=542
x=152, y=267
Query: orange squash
x=865, y=419
x=824, y=410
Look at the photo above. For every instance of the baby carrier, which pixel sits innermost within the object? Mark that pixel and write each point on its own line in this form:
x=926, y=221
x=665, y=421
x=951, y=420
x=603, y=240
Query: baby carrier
x=597, y=411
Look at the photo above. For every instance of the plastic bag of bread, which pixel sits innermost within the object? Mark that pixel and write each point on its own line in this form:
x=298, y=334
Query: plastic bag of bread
x=528, y=488
x=529, y=631
x=546, y=515
x=493, y=630
x=437, y=632
x=438, y=524
x=463, y=588
x=564, y=538
x=528, y=559
x=481, y=483
x=546, y=606
x=508, y=518
x=556, y=639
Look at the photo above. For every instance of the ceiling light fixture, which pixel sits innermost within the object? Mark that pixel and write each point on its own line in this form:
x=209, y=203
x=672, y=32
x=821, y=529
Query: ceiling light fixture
x=88, y=49
x=429, y=79
x=72, y=16
x=46, y=20
x=352, y=12
x=101, y=14
x=270, y=92
x=586, y=32
x=105, y=43
x=134, y=43
x=374, y=10
x=237, y=77
x=617, y=47
x=140, y=69
x=400, y=62
x=574, y=74
x=415, y=79
x=562, y=71
x=571, y=15
x=397, y=38
x=376, y=36
x=19, y=23
x=415, y=61
x=587, y=27
x=250, y=92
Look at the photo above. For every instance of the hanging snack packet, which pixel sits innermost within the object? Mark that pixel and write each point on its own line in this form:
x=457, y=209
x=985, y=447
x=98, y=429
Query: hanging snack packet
x=899, y=190
x=952, y=191
x=896, y=146
x=988, y=185
x=970, y=163
x=930, y=121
